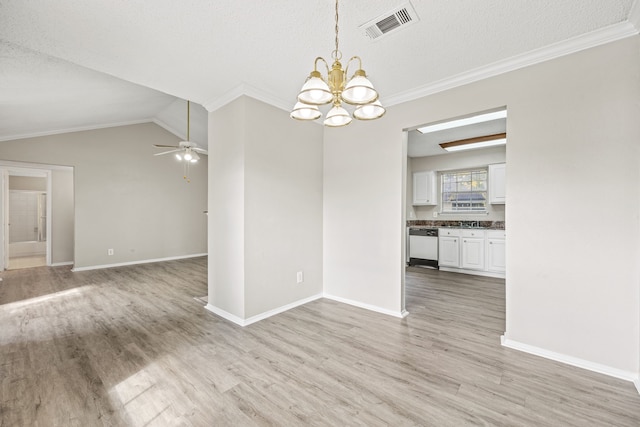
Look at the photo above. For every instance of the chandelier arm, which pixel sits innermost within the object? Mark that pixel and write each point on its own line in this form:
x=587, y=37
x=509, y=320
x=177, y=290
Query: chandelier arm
x=315, y=64
x=346, y=70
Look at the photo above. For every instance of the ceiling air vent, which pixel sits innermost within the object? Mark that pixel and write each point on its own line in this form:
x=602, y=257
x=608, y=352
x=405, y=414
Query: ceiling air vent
x=390, y=22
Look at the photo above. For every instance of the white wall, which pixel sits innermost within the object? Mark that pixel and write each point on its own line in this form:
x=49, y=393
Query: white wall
x=363, y=199
x=572, y=272
x=576, y=136
x=283, y=202
x=265, y=204
x=453, y=161
x=62, y=216
x=125, y=197
x=226, y=208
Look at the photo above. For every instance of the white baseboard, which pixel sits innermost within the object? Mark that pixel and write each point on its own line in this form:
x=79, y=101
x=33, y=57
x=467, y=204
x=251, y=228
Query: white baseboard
x=253, y=319
x=225, y=314
x=144, y=261
x=60, y=264
x=400, y=314
x=573, y=361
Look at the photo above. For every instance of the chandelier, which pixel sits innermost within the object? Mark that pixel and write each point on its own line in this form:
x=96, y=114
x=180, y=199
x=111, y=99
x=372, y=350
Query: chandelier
x=319, y=90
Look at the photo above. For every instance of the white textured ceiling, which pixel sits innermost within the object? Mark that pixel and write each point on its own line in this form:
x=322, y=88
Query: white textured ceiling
x=204, y=49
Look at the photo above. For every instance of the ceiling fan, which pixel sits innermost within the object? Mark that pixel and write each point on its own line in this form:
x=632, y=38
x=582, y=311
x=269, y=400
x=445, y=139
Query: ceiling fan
x=186, y=151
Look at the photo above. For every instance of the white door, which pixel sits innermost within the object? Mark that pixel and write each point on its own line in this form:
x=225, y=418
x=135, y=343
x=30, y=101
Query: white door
x=473, y=253
x=449, y=255
x=424, y=188
x=496, y=255
x=498, y=183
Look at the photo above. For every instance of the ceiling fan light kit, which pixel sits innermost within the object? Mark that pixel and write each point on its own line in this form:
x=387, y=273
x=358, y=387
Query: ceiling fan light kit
x=318, y=90
x=186, y=151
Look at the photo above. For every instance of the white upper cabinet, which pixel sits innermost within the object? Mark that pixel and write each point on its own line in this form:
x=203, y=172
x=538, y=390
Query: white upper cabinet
x=424, y=188
x=497, y=183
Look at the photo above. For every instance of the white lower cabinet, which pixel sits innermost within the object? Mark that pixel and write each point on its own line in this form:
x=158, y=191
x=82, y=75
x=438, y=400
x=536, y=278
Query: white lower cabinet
x=496, y=259
x=449, y=251
x=474, y=251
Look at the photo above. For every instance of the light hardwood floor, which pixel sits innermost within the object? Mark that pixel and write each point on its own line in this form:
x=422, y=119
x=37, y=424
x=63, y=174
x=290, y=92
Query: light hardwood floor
x=132, y=347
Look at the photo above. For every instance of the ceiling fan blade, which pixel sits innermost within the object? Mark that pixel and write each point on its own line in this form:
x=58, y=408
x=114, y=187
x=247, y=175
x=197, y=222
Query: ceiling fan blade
x=200, y=150
x=166, y=146
x=168, y=152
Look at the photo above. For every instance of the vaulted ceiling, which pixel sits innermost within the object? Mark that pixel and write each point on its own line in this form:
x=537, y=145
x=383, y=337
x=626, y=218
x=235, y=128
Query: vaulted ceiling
x=77, y=64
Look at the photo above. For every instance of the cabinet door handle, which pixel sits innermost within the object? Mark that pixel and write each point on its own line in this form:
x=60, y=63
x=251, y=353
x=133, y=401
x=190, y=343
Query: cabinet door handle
x=491, y=243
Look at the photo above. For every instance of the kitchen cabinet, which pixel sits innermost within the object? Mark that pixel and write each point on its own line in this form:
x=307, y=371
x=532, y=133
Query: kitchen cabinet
x=449, y=251
x=497, y=183
x=473, y=243
x=496, y=260
x=449, y=248
x=424, y=188
x=472, y=251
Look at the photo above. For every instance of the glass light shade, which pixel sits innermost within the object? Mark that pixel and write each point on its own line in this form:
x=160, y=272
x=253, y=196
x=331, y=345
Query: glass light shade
x=188, y=156
x=302, y=111
x=372, y=111
x=315, y=92
x=337, y=116
x=359, y=90
x=194, y=157
x=178, y=156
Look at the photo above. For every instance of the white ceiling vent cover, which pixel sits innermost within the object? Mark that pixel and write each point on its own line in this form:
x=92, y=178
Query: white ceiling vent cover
x=390, y=22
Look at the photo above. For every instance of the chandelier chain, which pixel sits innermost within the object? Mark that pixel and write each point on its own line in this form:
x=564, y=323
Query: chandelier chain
x=337, y=51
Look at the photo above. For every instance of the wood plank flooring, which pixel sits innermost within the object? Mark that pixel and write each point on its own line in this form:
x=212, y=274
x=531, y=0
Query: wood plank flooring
x=131, y=346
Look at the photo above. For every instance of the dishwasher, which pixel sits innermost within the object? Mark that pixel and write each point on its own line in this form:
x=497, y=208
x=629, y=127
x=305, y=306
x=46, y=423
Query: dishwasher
x=423, y=246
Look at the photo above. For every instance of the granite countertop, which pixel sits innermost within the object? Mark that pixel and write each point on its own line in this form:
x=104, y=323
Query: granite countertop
x=482, y=225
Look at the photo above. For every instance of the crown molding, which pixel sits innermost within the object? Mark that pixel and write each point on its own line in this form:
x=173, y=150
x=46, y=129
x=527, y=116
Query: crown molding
x=634, y=15
x=595, y=38
x=71, y=130
x=248, y=90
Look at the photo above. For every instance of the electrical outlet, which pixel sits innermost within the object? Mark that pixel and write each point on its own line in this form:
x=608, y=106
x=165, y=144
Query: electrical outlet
x=300, y=277
x=109, y=251
x=435, y=214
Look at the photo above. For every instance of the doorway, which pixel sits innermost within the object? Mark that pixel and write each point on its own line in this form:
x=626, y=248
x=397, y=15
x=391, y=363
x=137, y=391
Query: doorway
x=454, y=186
x=25, y=218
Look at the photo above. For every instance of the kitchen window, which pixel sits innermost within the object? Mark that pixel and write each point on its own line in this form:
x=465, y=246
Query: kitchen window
x=464, y=191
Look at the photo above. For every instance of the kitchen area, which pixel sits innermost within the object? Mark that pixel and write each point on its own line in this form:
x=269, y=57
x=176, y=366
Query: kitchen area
x=456, y=176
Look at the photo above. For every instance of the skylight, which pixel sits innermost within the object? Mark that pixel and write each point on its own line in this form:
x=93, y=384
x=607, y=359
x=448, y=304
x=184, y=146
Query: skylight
x=486, y=117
